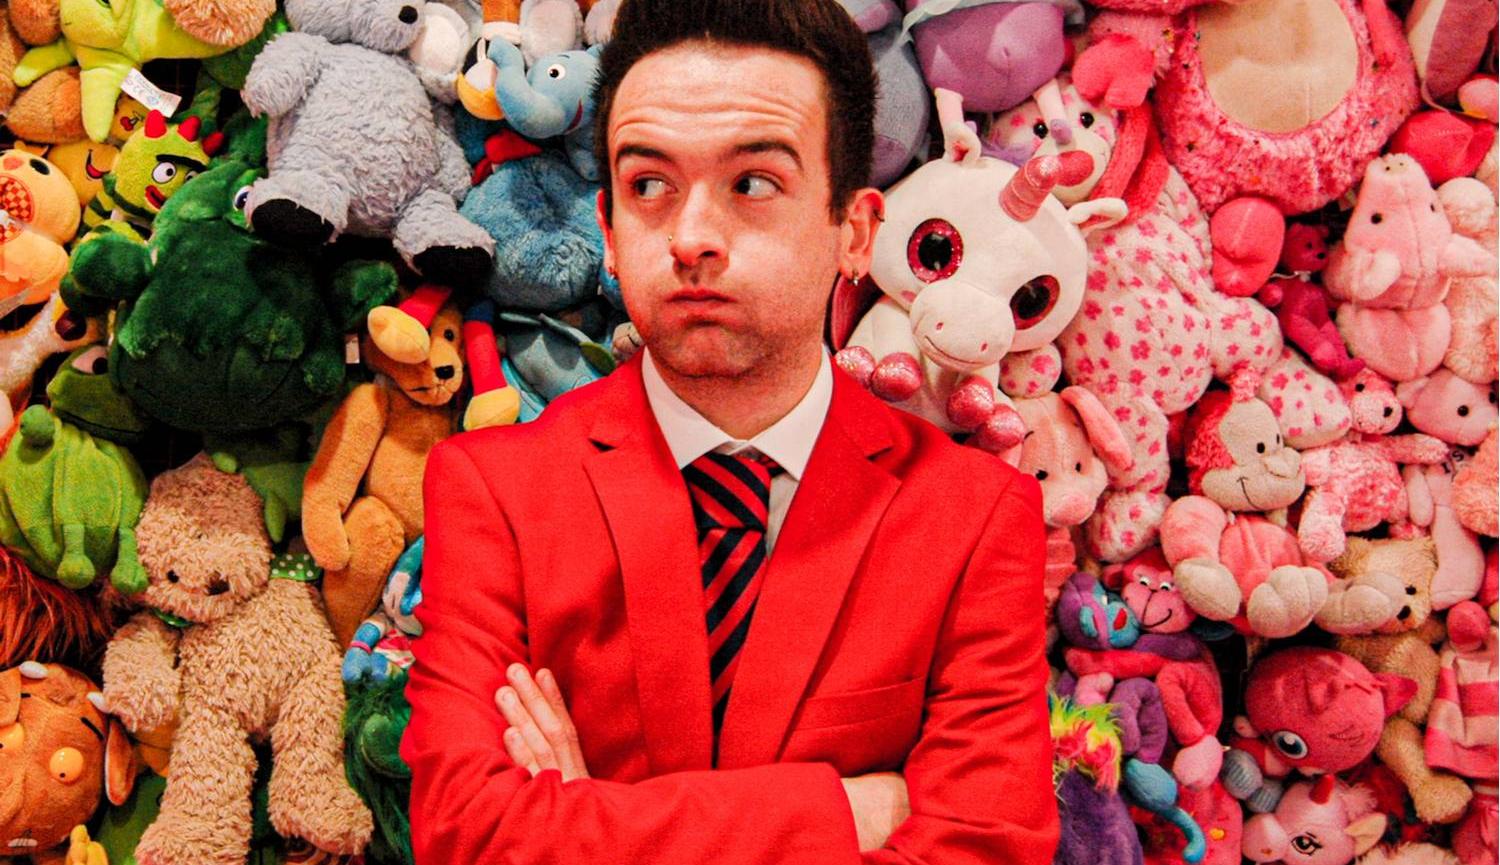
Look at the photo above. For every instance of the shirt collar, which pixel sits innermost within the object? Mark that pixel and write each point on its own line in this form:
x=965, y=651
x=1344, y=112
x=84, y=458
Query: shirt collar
x=690, y=435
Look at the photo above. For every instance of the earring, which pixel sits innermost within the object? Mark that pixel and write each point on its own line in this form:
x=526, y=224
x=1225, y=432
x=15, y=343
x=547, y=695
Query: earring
x=669, y=240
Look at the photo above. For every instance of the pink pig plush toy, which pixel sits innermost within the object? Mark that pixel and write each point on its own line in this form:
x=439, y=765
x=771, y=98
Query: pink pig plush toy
x=1392, y=271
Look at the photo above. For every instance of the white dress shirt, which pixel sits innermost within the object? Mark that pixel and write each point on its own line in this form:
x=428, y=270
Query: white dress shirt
x=789, y=441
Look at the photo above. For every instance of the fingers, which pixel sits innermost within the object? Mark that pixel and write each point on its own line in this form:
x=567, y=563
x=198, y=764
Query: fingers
x=520, y=754
x=525, y=726
x=536, y=711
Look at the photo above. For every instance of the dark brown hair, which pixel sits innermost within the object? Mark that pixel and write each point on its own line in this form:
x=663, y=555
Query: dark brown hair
x=819, y=30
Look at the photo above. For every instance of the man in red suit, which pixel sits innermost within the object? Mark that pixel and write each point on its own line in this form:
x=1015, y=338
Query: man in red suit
x=771, y=619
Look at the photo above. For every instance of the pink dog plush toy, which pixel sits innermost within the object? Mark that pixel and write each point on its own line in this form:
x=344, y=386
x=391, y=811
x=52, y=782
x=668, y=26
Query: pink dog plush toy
x=975, y=260
x=1326, y=822
x=1355, y=484
x=1393, y=268
x=1457, y=411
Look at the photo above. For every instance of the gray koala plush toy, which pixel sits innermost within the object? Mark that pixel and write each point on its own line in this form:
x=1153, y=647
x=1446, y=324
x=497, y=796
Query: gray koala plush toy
x=355, y=142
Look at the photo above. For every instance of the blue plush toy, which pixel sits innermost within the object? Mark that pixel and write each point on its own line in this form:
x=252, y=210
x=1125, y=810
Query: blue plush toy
x=553, y=98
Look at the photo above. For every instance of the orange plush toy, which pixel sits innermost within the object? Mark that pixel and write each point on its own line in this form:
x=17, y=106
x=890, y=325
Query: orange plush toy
x=60, y=753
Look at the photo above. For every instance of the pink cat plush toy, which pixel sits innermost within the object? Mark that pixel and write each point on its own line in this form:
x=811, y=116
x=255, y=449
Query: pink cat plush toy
x=975, y=260
x=1392, y=271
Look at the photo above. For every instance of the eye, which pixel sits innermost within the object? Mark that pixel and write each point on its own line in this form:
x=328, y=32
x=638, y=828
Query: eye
x=1041, y=474
x=1165, y=586
x=1359, y=388
x=1278, y=439
x=40, y=167
x=66, y=765
x=1376, y=219
x=557, y=71
x=1040, y=130
x=1078, y=467
x=935, y=250
x=1432, y=207
x=12, y=737
x=1086, y=119
x=1034, y=301
x=1306, y=844
x=1463, y=411
x=644, y=187
x=1290, y=744
x=1145, y=581
x=163, y=172
x=94, y=361
x=449, y=335
x=1260, y=447
x=755, y=186
x=241, y=196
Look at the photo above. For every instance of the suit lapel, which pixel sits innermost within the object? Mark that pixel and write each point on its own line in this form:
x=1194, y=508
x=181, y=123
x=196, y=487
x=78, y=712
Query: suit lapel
x=649, y=514
x=839, y=502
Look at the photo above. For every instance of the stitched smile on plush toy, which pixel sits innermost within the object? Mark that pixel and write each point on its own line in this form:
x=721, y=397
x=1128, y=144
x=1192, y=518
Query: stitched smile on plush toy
x=1351, y=733
x=89, y=169
x=154, y=197
x=930, y=346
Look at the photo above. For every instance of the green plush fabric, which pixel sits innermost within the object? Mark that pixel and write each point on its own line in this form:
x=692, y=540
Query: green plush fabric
x=376, y=715
x=69, y=503
x=218, y=331
x=82, y=394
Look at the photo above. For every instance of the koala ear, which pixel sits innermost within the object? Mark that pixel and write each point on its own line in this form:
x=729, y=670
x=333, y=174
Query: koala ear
x=1103, y=432
x=326, y=18
x=1366, y=832
x=1396, y=690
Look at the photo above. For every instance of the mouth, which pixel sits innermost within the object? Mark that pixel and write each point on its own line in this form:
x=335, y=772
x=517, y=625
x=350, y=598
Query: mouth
x=218, y=587
x=154, y=197
x=931, y=348
x=28, y=843
x=1351, y=733
x=698, y=294
x=1159, y=622
x=89, y=169
x=577, y=116
x=1244, y=490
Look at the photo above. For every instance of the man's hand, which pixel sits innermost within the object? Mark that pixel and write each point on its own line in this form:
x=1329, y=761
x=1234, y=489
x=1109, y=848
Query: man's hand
x=541, y=733
x=879, y=803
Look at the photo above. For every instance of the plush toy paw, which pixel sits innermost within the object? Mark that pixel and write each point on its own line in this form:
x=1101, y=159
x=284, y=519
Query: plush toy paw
x=287, y=223
x=1442, y=798
x=1248, y=234
x=144, y=699
x=398, y=335
x=453, y=265
x=1362, y=604
x=322, y=810
x=1197, y=765
x=164, y=843
x=1116, y=72
x=857, y=362
x=1093, y=689
x=897, y=377
x=84, y=851
x=1468, y=625
x=326, y=538
x=1287, y=601
x=1321, y=536
x=498, y=407
x=128, y=577
x=1002, y=431
x=75, y=571
x=1209, y=588
x=971, y=403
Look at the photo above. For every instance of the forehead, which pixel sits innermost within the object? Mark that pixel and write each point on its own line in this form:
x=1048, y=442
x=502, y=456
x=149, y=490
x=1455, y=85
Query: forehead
x=700, y=98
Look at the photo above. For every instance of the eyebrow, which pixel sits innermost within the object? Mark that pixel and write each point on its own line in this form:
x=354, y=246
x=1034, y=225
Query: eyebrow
x=749, y=147
x=93, y=729
x=181, y=160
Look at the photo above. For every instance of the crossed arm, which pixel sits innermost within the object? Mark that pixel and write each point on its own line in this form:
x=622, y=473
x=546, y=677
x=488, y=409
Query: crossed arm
x=978, y=779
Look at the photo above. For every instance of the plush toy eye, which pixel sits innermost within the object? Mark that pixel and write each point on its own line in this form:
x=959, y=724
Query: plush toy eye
x=12, y=737
x=1078, y=467
x=1359, y=388
x=1145, y=581
x=1376, y=219
x=1306, y=844
x=66, y=765
x=1290, y=744
x=1165, y=586
x=934, y=250
x=1463, y=411
x=241, y=195
x=1034, y=301
x=557, y=71
x=40, y=167
x=163, y=172
x=1086, y=119
x=1260, y=447
x=1040, y=130
x=94, y=361
x=449, y=335
x=1494, y=397
x=1041, y=474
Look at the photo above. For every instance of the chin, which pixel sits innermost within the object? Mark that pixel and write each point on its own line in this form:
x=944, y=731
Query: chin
x=704, y=353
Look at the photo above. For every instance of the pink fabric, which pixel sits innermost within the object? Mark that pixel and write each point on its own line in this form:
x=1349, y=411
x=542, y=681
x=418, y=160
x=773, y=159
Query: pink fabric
x=1463, y=722
x=1299, y=172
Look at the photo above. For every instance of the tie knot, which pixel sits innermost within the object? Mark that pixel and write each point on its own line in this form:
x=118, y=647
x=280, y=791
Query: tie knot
x=731, y=490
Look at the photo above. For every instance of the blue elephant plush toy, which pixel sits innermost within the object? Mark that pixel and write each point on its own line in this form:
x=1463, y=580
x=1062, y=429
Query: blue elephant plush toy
x=553, y=98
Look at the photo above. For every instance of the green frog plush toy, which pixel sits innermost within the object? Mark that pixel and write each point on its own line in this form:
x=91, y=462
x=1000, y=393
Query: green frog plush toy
x=217, y=330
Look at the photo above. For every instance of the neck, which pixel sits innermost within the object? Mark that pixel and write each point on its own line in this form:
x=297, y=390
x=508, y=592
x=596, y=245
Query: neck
x=748, y=404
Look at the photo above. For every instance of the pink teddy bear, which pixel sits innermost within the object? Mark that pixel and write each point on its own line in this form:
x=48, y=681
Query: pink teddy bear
x=1303, y=307
x=1442, y=404
x=1393, y=270
x=1355, y=483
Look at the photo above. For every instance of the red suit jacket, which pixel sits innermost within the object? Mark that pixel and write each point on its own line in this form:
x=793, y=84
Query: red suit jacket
x=899, y=627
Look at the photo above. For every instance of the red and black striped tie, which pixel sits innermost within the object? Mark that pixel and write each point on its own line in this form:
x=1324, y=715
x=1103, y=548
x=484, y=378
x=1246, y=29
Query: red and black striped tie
x=731, y=496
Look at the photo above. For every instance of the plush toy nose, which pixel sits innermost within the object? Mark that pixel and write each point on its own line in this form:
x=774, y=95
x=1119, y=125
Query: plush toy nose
x=443, y=372
x=408, y=14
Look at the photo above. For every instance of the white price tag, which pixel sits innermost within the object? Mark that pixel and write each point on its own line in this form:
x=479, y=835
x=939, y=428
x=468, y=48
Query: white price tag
x=351, y=348
x=138, y=86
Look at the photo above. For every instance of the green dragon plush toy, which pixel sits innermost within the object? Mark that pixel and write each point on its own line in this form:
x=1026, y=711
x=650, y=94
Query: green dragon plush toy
x=69, y=503
x=217, y=330
x=108, y=39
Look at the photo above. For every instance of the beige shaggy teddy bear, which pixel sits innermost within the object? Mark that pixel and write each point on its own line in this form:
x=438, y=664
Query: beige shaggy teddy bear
x=236, y=655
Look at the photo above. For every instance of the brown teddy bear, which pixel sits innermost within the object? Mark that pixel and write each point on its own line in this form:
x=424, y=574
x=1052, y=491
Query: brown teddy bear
x=50, y=111
x=362, y=498
x=58, y=752
x=1404, y=646
x=234, y=655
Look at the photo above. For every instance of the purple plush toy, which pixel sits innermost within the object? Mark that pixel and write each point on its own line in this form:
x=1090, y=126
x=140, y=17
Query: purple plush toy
x=995, y=53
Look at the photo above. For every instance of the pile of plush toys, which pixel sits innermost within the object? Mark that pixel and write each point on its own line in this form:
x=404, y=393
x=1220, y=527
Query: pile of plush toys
x=1231, y=299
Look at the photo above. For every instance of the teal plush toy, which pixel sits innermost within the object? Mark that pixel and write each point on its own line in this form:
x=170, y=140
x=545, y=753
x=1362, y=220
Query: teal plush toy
x=69, y=503
x=555, y=97
x=217, y=330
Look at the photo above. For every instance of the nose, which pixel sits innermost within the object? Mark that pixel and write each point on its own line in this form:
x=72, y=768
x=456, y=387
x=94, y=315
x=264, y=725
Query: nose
x=697, y=234
x=1061, y=131
x=408, y=14
x=1388, y=412
x=443, y=372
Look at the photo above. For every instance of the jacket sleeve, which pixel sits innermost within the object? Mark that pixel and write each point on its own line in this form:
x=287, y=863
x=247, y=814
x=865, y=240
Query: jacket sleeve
x=980, y=776
x=470, y=803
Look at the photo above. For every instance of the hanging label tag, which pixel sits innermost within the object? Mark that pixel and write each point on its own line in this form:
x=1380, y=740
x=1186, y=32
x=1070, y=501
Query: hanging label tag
x=138, y=86
x=351, y=348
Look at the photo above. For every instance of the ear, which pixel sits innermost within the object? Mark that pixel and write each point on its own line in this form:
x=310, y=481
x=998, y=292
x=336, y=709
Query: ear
x=1091, y=216
x=857, y=234
x=1408, y=392
x=1396, y=690
x=119, y=763
x=1103, y=432
x=601, y=214
x=1366, y=832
